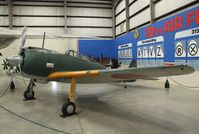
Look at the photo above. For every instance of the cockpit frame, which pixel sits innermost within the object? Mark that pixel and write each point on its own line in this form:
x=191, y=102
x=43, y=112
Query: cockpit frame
x=77, y=55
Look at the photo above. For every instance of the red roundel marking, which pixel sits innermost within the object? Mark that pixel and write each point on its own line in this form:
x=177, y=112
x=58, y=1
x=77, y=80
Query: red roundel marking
x=127, y=76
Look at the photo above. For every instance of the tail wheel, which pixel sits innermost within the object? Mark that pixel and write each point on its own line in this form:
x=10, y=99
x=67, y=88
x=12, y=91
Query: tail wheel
x=68, y=108
x=28, y=95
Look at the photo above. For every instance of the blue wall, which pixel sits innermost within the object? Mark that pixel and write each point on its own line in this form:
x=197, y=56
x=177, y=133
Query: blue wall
x=96, y=48
x=169, y=40
x=123, y=40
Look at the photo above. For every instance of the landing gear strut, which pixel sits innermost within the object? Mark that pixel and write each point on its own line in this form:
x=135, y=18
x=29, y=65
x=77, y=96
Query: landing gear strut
x=12, y=86
x=29, y=93
x=167, y=85
x=69, y=106
x=124, y=85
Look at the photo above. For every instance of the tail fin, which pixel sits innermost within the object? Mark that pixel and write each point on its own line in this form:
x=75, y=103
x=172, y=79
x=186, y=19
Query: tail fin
x=133, y=64
x=23, y=38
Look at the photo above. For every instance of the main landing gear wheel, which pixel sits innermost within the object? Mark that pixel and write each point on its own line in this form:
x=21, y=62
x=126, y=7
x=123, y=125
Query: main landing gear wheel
x=29, y=95
x=167, y=85
x=68, y=108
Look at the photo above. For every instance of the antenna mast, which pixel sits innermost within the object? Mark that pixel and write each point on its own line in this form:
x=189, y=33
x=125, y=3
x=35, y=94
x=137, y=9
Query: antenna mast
x=44, y=37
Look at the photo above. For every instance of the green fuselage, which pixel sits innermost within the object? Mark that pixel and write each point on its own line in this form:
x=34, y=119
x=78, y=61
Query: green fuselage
x=39, y=63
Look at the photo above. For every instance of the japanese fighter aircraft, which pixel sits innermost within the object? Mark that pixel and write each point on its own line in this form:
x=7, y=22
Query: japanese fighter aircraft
x=43, y=65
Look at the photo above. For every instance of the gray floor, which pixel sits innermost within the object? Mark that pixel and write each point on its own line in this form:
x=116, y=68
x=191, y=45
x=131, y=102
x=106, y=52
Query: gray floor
x=143, y=108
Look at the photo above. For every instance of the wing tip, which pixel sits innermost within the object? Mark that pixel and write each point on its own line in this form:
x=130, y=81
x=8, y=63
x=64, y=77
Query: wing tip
x=190, y=69
x=186, y=69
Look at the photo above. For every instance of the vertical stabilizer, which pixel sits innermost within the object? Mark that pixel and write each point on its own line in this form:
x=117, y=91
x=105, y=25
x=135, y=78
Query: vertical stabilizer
x=133, y=64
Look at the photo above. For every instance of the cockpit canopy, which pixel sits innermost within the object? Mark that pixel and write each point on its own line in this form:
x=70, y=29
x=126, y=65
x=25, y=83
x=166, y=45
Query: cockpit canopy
x=79, y=56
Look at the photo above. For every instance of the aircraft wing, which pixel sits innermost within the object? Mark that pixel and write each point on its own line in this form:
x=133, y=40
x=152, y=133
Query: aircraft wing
x=7, y=36
x=119, y=75
x=5, y=41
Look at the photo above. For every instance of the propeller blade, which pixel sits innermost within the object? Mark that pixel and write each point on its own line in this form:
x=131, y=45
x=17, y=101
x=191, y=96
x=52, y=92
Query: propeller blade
x=5, y=67
x=22, y=39
x=18, y=69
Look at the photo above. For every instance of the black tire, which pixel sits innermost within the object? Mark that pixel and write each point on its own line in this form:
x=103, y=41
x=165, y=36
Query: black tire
x=12, y=85
x=28, y=95
x=167, y=85
x=68, y=108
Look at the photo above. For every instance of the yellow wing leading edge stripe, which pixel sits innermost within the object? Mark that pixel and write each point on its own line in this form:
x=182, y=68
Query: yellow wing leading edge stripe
x=73, y=74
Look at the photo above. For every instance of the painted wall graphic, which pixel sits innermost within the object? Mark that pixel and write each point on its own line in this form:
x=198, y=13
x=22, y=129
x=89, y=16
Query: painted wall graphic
x=131, y=47
x=125, y=51
x=187, y=47
x=174, y=40
x=150, y=51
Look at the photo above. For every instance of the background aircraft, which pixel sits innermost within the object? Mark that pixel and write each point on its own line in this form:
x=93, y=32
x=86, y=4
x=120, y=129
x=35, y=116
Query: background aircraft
x=7, y=36
x=43, y=65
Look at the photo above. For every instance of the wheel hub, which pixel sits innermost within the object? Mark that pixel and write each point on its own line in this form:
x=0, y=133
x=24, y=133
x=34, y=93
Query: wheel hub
x=70, y=109
x=30, y=94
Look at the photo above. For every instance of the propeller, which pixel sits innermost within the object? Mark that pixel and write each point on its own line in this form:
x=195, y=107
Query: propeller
x=13, y=63
x=22, y=39
x=5, y=65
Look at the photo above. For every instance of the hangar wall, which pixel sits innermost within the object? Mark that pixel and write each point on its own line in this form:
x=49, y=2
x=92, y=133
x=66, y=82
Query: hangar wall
x=92, y=18
x=158, y=42
x=61, y=17
x=84, y=18
x=168, y=40
x=132, y=14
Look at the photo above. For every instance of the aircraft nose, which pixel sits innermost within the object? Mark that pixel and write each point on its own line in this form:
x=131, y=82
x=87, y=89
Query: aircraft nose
x=14, y=60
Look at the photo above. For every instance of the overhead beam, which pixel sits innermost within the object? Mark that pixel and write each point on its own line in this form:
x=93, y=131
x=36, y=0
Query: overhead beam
x=127, y=16
x=152, y=11
x=10, y=13
x=65, y=15
x=62, y=26
x=120, y=12
x=114, y=22
x=117, y=3
x=70, y=2
x=59, y=16
x=60, y=5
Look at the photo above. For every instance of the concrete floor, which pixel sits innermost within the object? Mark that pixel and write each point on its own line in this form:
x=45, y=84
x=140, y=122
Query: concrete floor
x=142, y=108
